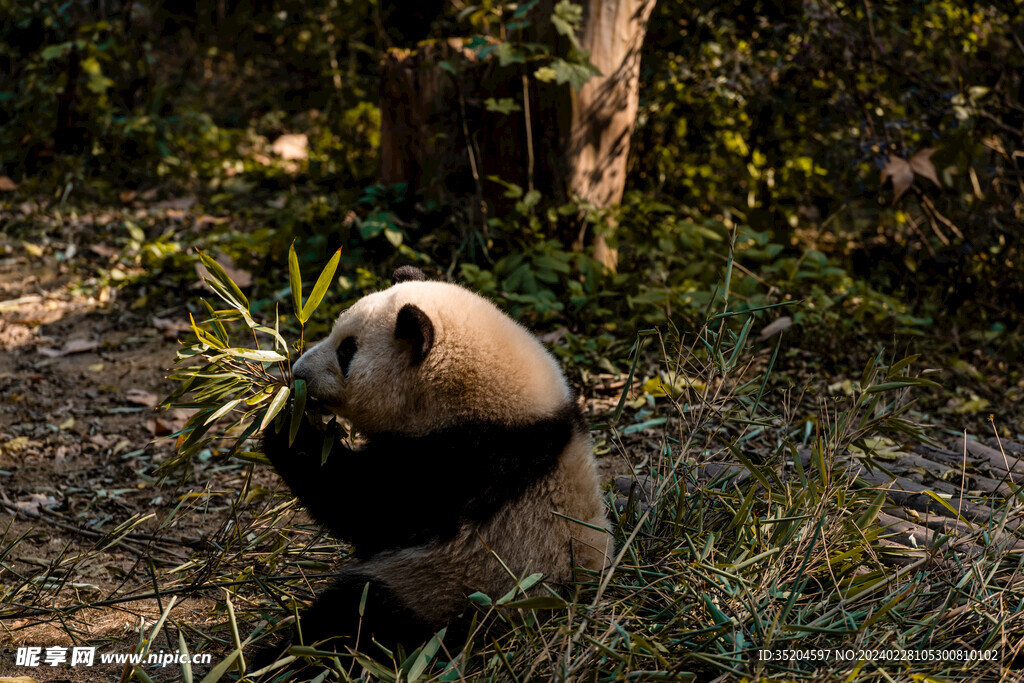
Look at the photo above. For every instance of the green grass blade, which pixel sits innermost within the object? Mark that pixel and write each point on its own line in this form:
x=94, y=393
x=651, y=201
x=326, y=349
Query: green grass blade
x=425, y=657
x=944, y=503
x=186, y=665
x=217, y=672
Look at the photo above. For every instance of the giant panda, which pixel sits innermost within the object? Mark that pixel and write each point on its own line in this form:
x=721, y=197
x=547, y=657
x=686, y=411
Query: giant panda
x=476, y=454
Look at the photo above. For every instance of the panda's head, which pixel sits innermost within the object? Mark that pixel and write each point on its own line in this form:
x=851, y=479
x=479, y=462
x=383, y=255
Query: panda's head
x=421, y=355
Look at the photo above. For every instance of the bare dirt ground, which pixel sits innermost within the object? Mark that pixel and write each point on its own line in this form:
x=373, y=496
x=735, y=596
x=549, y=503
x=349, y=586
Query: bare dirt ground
x=82, y=519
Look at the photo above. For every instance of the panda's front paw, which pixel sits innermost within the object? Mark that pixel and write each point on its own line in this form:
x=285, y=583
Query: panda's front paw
x=269, y=653
x=275, y=443
x=308, y=443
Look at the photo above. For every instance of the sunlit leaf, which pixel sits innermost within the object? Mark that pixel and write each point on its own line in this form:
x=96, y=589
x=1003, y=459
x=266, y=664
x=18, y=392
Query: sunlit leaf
x=576, y=75
x=320, y=288
x=275, y=406
x=227, y=287
x=258, y=355
x=295, y=280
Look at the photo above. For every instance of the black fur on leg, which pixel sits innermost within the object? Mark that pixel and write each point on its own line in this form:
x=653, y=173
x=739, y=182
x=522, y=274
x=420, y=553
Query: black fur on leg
x=320, y=487
x=332, y=622
x=386, y=619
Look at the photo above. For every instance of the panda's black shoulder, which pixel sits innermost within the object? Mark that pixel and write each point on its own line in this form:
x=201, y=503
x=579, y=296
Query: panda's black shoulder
x=464, y=473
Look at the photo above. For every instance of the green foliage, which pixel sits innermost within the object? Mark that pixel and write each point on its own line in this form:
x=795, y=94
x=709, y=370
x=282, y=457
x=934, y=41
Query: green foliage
x=782, y=115
x=117, y=89
x=757, y=138
x=503, y=33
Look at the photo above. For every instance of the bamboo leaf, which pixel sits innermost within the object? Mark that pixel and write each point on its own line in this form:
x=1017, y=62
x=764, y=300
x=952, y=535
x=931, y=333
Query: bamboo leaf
x=246, y=433
x=641, y=340
x=425, y=657
x=218, y=326
x=275, y=406
x=222, y=411
x=204, y=336
x=295, y=280
x=258, y=355
x=320, y=288
x=884, y=609
x=902, y=384
x=538, y=602
x=186, y=665
x=895, y=368
x=217, y=672
x=221, y=277
x=325, y=450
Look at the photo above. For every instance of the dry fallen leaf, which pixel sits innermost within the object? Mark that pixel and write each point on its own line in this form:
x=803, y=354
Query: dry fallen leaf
x=211, y=220
x=100, y=440
x=901, y=173
x=775, y=327
x=105, y=251
x=18, y=444
x=168, y=423
x=176, y=204
x=7, y=185
x=34, y=502
x=554, y=336
x=291, y=146
x=922, y=164
x=79, y=346
x=142, y=398
x=73, y=346
x=171, y=327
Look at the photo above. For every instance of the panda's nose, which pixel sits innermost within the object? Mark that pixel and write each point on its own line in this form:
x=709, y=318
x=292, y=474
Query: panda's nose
x=302, y=368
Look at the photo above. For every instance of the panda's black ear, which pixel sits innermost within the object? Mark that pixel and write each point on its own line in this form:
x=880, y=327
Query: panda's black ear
x=414, y=327
x=407, y=273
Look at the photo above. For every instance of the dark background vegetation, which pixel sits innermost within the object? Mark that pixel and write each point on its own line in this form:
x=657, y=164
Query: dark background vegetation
x=767, y=122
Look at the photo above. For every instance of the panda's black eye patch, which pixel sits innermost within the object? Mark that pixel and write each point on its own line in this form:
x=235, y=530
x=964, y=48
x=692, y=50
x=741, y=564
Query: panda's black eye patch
x=346, y=350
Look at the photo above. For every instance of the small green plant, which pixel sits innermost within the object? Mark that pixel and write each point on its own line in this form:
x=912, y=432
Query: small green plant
x=237, y=388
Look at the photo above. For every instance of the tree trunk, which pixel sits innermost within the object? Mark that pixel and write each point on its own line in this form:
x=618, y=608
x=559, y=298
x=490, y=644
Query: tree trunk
x=438, y=135
x=604, y=110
